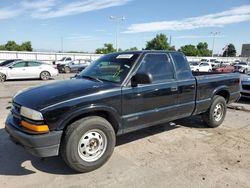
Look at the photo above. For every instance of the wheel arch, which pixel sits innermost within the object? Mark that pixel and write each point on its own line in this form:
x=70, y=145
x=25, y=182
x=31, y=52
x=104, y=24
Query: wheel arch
x=222, y=91
x=107, y=113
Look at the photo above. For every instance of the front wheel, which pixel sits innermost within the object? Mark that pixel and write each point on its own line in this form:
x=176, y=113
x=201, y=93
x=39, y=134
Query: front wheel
x=88, y=143
x=67, y=70
x=2, y=77
x=216, y=113
x=45, y=75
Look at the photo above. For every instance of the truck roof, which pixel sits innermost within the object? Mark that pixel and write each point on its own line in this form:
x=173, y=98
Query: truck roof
x=148, y=51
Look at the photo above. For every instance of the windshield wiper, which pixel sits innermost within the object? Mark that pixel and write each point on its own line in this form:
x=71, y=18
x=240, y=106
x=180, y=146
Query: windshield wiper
x=91, y=78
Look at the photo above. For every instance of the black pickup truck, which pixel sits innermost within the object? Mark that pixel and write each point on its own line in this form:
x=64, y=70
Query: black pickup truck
x=119, y=93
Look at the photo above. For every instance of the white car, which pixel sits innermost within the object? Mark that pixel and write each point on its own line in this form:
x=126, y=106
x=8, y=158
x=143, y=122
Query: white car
x=201, y=67
x=27, y=70
x=244, y=67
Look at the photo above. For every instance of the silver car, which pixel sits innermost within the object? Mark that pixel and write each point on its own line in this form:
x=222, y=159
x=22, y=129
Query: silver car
x=245, y=85
x=27, y=70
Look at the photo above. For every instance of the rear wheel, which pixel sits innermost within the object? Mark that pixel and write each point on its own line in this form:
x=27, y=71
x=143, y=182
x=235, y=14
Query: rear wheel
x=45, y=75
x=2, y=77
x=67, y=70
x=216, y=113
x=88, y=143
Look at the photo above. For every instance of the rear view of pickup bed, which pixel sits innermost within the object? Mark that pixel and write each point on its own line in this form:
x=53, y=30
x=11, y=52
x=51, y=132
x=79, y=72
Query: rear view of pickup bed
x=118, y=93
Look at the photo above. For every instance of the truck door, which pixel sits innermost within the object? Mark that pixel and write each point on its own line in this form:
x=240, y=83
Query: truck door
x=148, y=104
x=186, y=85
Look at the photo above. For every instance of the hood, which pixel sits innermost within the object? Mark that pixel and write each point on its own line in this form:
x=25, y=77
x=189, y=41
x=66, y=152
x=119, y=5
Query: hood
x=3, y=68
x=45, y=95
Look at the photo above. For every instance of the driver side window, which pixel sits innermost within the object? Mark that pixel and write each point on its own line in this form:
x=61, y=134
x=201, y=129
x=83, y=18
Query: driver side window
x=20, y=64
x=159, y=66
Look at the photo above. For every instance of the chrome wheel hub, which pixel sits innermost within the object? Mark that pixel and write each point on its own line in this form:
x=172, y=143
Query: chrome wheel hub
x=92, y=145
x=45, y=76
x=218, y=112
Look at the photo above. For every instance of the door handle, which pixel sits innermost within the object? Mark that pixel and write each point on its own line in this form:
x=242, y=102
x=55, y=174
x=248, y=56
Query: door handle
x=175, y=88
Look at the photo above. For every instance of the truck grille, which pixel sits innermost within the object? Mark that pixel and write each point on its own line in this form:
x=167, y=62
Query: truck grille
x=246, y=87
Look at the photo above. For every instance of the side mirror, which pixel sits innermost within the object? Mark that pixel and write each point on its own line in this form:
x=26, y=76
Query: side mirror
x=141, y=78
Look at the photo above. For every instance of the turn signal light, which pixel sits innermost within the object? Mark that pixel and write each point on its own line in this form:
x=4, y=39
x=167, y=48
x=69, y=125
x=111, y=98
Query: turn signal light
x=36, y=128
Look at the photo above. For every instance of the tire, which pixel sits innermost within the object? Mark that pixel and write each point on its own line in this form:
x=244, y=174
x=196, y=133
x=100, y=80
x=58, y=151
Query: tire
x=216, y=113
x=2, y=77
x=76, y=149
x=67, y=70
x=45, y=75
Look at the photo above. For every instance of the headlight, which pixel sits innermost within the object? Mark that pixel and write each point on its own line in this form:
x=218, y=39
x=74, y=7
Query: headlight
x=31, y=114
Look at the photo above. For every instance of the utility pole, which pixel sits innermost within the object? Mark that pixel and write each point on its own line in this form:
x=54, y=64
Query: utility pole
x=118, y=19
x=214, y=34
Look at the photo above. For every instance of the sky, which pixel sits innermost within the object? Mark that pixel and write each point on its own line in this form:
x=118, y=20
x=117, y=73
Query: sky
x=84, y=25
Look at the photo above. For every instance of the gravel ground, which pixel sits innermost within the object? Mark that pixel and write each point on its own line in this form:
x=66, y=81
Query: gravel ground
x=179, y=154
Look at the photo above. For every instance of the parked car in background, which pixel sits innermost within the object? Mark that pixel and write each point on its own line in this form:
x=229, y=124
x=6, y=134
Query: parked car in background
x=6, y=62
x=224, y=68
x=244, y=67
x=245, y=85
x=88, y=62
x=27, y=70
x=209, y=61
x=217, y=63
x=201, y=67
x=62, y=61
x=74, y=66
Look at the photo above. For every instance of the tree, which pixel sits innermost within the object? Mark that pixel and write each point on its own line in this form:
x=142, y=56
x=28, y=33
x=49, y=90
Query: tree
x=2, y=47
x=202, y=49
x=160, y=42
x=108, y=48
x=172, y=48
x=230, y=51
x=189, y=50
x=132, y=49
x=26, y=46
x=13, y=46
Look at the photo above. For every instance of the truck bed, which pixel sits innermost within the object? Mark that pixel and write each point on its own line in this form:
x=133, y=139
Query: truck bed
x=208, y=81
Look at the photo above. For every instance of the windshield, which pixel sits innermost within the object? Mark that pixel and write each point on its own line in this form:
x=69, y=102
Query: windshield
x=194, y=63
x=7, y=62
x=63, y=59
x=112, y=67
x=203, y=60
x=242, y=63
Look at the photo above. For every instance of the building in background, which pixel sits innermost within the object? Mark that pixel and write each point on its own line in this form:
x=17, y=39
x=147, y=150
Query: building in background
x=245, y=51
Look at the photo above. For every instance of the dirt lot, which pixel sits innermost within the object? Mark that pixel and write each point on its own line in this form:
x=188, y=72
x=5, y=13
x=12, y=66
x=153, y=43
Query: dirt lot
x=179, y=154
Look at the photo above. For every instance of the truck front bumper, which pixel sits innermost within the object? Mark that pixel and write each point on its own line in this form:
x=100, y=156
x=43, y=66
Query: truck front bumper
x=41, y=145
